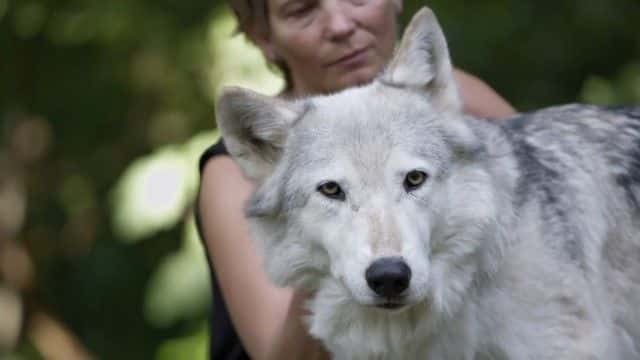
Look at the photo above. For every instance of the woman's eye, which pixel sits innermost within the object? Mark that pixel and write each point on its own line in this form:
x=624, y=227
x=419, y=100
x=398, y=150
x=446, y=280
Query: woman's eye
x=299, y=11
x=414, y=179
x=332, y=190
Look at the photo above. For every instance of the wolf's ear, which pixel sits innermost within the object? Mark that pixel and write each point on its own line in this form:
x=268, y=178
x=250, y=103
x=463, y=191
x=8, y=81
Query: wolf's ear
x=463, y=141
x=254, y=128
x=422, y=61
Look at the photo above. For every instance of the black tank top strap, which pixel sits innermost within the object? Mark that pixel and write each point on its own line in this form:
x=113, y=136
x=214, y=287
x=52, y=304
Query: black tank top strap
x=216, y=149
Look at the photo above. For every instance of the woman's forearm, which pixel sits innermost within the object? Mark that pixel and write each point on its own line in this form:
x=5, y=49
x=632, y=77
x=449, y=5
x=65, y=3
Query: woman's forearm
x=293, y=342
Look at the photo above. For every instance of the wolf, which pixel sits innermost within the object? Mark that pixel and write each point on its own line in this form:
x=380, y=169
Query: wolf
x=426, y=233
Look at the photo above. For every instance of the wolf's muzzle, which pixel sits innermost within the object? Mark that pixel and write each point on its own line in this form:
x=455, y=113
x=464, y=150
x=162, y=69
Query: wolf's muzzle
x=389, y=276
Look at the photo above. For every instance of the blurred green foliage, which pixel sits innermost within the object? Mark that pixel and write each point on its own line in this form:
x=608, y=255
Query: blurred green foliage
x=105, y=107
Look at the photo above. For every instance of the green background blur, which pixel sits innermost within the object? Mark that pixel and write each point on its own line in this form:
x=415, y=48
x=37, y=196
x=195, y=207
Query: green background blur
x=105, y=107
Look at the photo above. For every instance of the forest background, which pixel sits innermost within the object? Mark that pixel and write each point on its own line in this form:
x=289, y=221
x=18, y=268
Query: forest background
x=105, y=107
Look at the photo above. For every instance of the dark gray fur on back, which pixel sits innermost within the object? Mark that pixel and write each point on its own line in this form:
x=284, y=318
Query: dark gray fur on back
x=554, y=145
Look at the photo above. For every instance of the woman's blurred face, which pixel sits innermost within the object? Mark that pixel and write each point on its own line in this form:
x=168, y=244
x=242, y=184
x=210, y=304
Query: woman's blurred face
x=329, y=45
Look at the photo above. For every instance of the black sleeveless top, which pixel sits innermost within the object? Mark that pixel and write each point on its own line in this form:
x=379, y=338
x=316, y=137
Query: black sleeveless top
x=224, y=343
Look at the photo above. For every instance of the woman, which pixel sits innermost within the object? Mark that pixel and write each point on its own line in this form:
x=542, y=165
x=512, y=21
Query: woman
x=321, y=46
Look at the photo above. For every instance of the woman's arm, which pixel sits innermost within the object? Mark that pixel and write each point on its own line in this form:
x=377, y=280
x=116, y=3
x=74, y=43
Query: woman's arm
x=293, y=340
x=267, y=318
x=480, y=99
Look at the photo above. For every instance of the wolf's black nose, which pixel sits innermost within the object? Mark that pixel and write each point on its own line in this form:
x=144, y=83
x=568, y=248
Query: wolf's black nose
x=388, y=276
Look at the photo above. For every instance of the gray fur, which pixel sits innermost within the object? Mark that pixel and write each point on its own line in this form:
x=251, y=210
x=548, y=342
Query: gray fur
x=524, y=241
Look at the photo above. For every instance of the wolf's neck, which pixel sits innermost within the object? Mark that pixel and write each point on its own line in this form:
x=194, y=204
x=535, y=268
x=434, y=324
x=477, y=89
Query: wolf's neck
x=497, y=156
x=498, y=161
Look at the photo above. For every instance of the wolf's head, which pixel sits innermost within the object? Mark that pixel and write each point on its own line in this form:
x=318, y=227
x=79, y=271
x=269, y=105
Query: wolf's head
x=374, y=190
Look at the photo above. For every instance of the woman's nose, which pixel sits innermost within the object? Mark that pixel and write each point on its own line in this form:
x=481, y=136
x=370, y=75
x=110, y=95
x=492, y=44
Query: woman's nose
x=338, y=22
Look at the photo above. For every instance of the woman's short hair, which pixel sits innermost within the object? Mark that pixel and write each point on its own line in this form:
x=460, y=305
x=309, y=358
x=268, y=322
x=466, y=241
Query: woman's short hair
x=251, y=13
x=254, y=15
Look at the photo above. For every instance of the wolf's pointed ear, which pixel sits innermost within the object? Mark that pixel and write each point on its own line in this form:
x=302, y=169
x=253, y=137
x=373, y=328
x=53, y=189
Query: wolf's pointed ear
x=422, y=61
x=254, y=128
x=462, y=139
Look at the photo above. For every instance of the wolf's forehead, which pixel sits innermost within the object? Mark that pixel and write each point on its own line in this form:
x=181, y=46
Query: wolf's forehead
x=365, y=124
x=374, y=113
x=373, y=103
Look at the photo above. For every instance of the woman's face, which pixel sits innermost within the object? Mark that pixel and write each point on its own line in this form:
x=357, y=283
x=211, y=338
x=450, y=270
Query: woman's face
x=329, y=45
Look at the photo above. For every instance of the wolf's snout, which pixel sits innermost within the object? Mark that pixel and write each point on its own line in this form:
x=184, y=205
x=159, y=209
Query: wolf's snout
x=389, y=276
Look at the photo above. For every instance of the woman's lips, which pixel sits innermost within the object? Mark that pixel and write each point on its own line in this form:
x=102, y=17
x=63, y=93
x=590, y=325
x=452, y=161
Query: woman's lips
x=351, y=60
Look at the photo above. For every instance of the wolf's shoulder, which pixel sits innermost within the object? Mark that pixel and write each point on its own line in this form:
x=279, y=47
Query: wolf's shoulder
x=630, y=111
x=568, y=117
x=554, y=144
x=574, y=132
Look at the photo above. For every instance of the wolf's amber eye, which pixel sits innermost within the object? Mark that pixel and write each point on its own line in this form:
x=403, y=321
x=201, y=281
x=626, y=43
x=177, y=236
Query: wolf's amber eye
x=332, y=190
x=414, y=179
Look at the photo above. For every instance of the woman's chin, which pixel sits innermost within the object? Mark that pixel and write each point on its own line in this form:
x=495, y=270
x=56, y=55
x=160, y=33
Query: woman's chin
x=356, y=77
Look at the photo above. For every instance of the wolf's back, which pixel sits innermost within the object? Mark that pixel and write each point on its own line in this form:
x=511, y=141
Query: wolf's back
x=560, y=146
x=579, y=168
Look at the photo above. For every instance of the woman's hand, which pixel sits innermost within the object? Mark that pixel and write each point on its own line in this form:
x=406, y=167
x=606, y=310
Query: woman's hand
x=294, y=339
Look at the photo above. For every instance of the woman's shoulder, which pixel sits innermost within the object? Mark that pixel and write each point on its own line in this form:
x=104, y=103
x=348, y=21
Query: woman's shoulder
x=217, y=149
x=220, y=176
